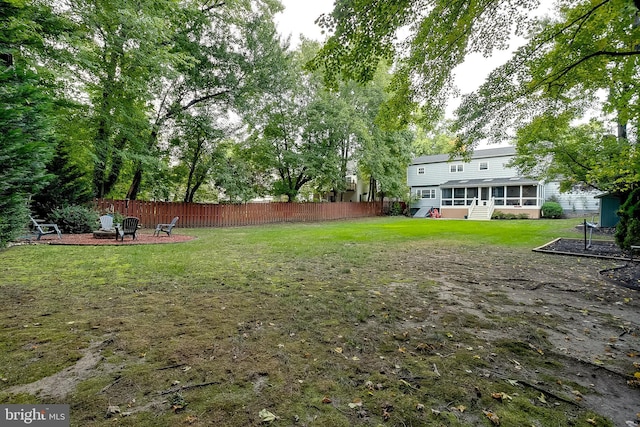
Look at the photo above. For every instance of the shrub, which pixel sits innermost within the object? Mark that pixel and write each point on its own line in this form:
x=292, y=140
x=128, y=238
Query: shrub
x=502, y=215
x=497, y=215
x=75, y=219
x=397, y=209
x=551, y=210
x=628, y=229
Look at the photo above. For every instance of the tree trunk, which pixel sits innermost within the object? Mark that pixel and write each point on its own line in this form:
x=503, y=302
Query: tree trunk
x=116, y=165
x=188, y=194
x=622, y=131
x=191, y=194
x=372, y=189
x=134, y=188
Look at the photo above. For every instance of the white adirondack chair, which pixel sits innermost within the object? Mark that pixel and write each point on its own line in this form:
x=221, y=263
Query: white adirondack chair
x=106, y=222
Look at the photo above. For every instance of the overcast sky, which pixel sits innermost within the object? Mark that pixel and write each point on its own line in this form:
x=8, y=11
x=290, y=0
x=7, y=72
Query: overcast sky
x=299, y=16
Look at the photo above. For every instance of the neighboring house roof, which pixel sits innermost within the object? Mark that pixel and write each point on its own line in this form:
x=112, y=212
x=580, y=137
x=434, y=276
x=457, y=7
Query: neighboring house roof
x=488, y=181
x=477, y=154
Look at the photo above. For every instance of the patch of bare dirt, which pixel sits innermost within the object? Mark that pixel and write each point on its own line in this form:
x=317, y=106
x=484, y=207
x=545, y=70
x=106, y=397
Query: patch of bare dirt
x=586, y=328
x=627, y=275
x=60, y=384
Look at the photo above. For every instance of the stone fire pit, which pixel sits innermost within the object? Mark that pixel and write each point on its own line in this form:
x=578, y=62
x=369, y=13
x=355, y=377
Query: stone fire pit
x=104, y=234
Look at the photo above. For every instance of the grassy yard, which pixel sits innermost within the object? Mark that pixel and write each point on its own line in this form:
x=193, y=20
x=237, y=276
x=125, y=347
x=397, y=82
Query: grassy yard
x=297, y=324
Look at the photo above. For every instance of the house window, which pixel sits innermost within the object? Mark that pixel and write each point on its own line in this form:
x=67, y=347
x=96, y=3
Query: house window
x=447, y=197
x=529, y=195
x=459, y=196
x=484, y=166
x=513, y=195
x=420, y=171
x=459, y=167
x=427, y=193
x=498, y=194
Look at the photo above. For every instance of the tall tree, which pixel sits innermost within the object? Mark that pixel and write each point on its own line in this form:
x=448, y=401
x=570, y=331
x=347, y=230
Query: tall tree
x=557, y=80
x=439, y=140
x=27, y=139
x=307, y=135
x=424, y=39
x=196, y=145
x=277, y=127
x=228, y=49
x=386, y=153
x=126, y=45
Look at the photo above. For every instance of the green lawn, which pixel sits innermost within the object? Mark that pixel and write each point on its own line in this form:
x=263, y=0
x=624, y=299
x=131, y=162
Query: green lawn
x=306, y=321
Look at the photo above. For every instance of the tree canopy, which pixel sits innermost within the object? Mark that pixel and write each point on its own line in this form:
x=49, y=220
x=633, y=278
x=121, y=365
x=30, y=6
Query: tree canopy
x=580, y=61
x=173, y=100
x=569, y=98
x=424, y=39
x=306, y=135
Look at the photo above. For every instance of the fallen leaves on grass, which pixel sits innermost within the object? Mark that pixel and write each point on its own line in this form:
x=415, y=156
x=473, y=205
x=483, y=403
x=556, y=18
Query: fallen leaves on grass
x=492, y=417
x=357, y=403
x=112, y=410
x=266, y=416
x=634, y=383
x=386, y=411
x=501, y=396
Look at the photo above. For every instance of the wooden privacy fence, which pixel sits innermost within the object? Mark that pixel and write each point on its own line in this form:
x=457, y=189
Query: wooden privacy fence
x=194, y=215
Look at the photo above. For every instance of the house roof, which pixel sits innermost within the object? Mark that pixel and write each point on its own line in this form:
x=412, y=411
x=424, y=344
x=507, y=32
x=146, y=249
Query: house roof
x=477, y=154
x=488, y=182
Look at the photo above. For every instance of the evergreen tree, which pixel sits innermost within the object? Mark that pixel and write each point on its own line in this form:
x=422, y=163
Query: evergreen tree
x=26, y=138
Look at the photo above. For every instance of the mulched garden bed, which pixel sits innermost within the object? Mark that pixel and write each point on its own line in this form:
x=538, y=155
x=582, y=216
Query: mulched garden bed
x=627, y=275
x=143, y=238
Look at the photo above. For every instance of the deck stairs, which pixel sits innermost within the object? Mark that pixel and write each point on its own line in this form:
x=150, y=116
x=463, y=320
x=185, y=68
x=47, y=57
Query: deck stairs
x=480, y=211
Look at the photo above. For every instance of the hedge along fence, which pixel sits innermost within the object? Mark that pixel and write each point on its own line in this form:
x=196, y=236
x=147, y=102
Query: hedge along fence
x=195, y=215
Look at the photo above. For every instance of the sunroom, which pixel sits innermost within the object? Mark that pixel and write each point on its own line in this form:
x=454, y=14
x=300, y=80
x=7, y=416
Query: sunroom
x=518, y=195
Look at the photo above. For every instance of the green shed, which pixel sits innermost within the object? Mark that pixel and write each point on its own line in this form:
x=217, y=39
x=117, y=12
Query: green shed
x=609, y=206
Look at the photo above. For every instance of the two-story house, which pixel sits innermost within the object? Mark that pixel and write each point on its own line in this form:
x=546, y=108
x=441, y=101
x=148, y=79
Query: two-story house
x=475, y=189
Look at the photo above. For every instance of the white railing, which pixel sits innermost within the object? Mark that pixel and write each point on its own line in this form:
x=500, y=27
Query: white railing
x=488, y=204
x=473, y=204
x=491, y=207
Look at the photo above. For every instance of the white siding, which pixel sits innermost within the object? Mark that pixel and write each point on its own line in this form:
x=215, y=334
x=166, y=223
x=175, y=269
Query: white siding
x=439, y=173
x=575, y=202
x=427, y=203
